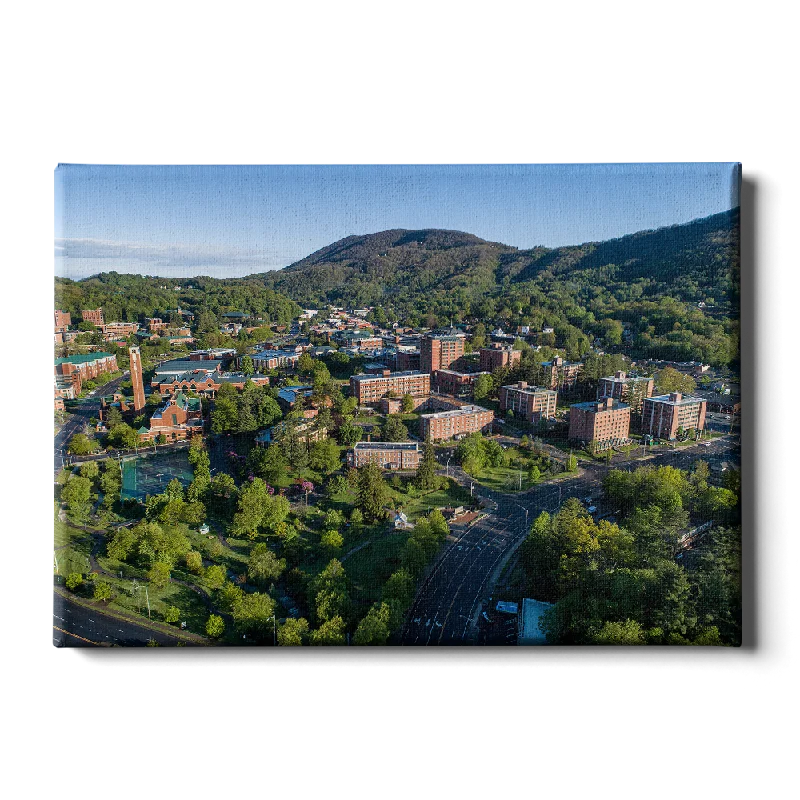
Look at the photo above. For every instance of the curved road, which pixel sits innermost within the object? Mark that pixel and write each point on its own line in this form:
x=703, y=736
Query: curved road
x=449, y=601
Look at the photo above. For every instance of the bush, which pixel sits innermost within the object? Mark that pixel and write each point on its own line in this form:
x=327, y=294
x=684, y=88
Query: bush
x=74, y=580
x=172, y=614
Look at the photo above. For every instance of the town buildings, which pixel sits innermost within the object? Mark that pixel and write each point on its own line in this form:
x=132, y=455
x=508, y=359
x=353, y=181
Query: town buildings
x=440, y=349
x=665, y=415
x=387, y=455
x=206, y=383
x=605, y=422
x=456, y=422
x=459, y=384
x=371, y=389
x=499, y=355
x=179, y=418
x=531, y=403
x=562, y=375
x=87, y=366
x=627, y=388
x=93, y=315
x=266, y=360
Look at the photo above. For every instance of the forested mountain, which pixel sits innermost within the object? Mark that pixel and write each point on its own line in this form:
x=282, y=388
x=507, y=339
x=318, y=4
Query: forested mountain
x=670, y=293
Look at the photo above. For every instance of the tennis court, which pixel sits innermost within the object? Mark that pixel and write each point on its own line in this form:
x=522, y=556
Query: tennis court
x=146, y=475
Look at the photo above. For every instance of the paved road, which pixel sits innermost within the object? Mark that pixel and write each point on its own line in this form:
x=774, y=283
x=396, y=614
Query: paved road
x=76, y=626
x=450, y=599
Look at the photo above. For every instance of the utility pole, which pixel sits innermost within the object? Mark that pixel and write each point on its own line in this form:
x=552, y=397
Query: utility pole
x=147, y=596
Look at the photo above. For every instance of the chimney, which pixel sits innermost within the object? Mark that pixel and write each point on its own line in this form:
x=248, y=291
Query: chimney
x=675, y=397
x=620, y=376
x=608, y=402
x=522, y=384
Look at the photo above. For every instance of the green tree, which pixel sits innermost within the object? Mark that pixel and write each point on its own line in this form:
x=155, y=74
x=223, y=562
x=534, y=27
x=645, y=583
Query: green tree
x=394, y=430
x=349, y=433
x=324, y=456
x=330, y=632
x=263, y=566
x=74, y=581
x=253, y=615
x=159, y=574
x=194, y=562
x=89, y=470
x=331, y=540
x=172, y=614
x=215, y=626
x=331, y=592
x=215, y=576
x=293, y=632
x=426, y=477
x=483, y=387
x=122, y=544
x=407, y=404
x=670, y=380
x=76, y=493
x=374, y=628
x=81, y=445
x=247, y=365
x=373, y=493
x=626, y=633
x=102, y=591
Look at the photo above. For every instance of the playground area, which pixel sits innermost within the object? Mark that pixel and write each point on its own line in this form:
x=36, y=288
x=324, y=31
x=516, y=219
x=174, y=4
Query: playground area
x=150, y=475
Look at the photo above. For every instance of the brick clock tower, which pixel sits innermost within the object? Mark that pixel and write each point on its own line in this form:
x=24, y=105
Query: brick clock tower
x=136, y=378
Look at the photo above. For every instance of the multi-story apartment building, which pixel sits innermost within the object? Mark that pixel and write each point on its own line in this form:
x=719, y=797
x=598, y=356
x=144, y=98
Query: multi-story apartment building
x=406, y=360
x=532, y=403
x=439, y=349
x=499, y=355
x=118, y=330
x=459, y=384
x=93, y=315
x=664, y=415
x=562, y=375
x=360, y=340
x=456, y=423
x=86, y=366
x=62, y=321
x=387, y=455
x=627, y=388
x=371, y=389
x=606, y=421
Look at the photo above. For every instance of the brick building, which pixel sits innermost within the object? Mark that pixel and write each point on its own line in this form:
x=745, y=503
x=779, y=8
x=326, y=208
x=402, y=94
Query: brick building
x=155, y=324
x=174, y=368
x=407, y=361
x=456, y=423
x=562, y=375
x=532, y=403
x=136, y=378
x=394, y=405
x=93, y=315
x=119, y=330
x=179, y=418
x=499, y=355
x=662, y=416
x=627, y=388
x=439, y=349
x=62, y=321
x=274, y=359
x=387, y=455
x=207, y=383
x=360, y=340
x=371, y=389
x=606, y=421
x=87, y=366
x=459, y=384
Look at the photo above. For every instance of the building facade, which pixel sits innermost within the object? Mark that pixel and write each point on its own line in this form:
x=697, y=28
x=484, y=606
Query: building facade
x=562, y=375
x=531, y=403
x=497, y=356
x=179, y=418
x=371, y=389
x=62, y=321
x=664, y=416
x=459, y=384
x=626, y=388
x=456, y=423
x=439, y=349
x=606, y=421
x=93, y=315
x=275, y=359
x=387, y=455
x=87, y=366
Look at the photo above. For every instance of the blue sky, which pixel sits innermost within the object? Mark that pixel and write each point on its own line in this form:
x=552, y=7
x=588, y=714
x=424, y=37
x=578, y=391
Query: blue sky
x=232, y=221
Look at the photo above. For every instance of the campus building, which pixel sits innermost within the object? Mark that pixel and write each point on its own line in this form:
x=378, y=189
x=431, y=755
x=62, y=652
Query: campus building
x=531, y=403
x=179, y=418
x=439, y=349
x=562, y=375
x=626, y=388
x=459, y=384
x=359, y=340
x=371, y=389
x=274, y=359
x=456, y=423
x=207, y=383
x=86, y=366
x=499, y=355
x=387, y=455
x=62, y=321
x=93, y=315
x=118, y=330
x=175, y=368
x=663, y=416
x=606, y=421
